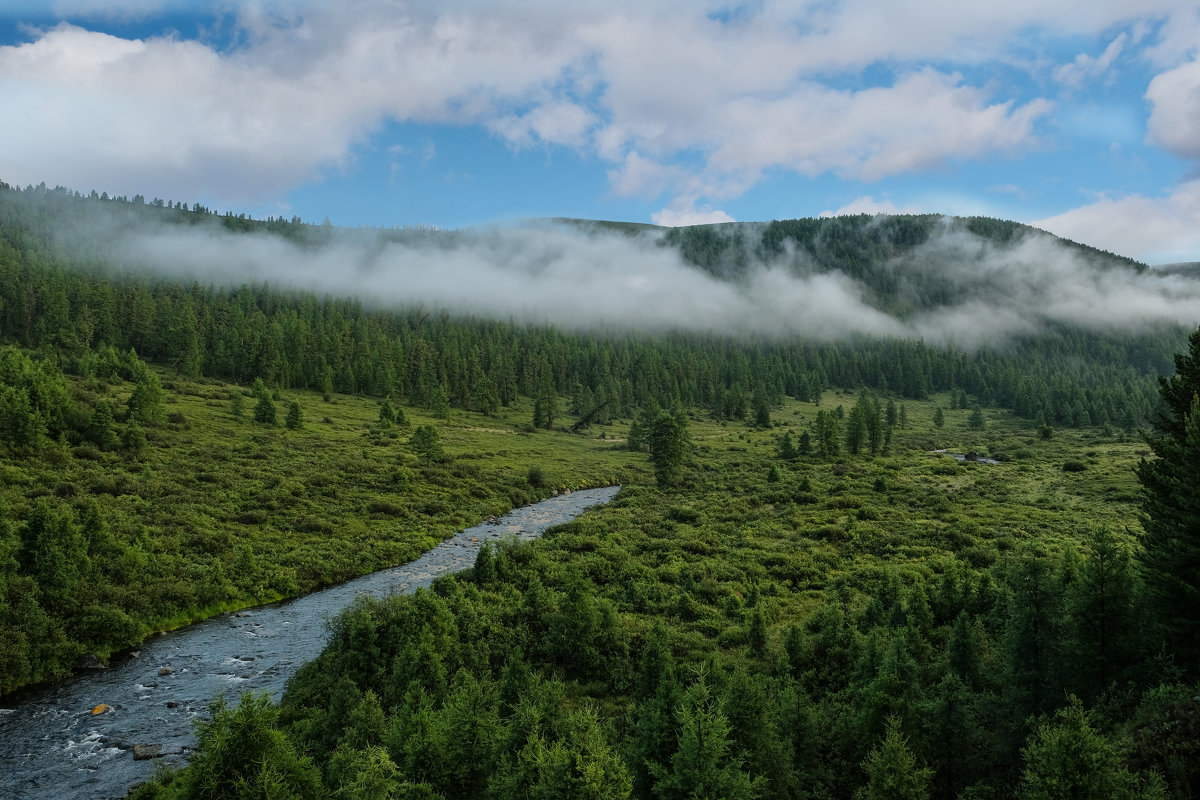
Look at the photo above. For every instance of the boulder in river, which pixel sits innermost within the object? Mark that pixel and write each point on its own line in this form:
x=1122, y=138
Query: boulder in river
x=145, y=752
x=165, y=671
x=88, y=661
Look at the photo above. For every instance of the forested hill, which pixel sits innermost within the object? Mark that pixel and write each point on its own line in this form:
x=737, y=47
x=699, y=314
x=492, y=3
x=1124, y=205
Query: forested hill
x=78, y=275
x=902, y=264
x=906, y=263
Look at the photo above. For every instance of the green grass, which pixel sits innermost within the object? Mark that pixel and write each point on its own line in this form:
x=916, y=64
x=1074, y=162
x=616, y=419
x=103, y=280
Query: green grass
x=219, y=513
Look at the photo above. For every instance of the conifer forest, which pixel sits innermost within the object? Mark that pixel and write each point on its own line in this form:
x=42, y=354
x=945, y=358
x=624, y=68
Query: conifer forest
x=876, y=564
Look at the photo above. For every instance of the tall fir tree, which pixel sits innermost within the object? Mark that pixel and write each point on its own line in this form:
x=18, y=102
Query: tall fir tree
x=1170, y=555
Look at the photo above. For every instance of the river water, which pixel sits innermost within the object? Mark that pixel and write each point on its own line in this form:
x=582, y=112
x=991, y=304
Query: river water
x=53, y=746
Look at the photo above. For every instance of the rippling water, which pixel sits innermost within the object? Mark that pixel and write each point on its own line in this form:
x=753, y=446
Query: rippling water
x=53, y=746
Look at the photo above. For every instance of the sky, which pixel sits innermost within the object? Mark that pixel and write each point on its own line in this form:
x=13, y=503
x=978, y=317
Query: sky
x=1081, y=117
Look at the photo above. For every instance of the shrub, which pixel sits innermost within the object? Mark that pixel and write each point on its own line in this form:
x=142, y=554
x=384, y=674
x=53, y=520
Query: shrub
x=536, y=477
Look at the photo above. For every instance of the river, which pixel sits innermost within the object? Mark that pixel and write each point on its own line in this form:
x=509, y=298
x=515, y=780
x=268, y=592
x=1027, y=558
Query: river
x=53, y=746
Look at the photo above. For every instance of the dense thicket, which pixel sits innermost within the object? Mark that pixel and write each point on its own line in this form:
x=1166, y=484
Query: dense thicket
x=717, y=640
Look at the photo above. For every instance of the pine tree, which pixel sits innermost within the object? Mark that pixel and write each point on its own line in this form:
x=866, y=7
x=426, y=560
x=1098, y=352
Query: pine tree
x=426, y=443
x=100, y=427
x=1103, y=614
x=147, y=403
x=237, y=403
x=545, y=402
x=264, y=409
x=892, y=770
x=387, y=413
x=705, y=764
x=1170, y=556
x=939, y=418
x=669, y=447
x=1067, y=757
x=295, y=416
x=787, y=450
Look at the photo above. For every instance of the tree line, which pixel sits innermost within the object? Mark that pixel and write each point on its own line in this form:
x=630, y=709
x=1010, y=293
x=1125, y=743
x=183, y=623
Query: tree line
x=74, y=307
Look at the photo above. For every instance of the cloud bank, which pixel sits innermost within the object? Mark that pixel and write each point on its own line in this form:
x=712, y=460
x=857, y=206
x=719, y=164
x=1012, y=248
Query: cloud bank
x=708, y=97
x=596, y=280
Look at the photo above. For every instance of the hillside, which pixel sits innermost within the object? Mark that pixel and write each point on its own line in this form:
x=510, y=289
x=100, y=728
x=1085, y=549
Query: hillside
x=795, y=594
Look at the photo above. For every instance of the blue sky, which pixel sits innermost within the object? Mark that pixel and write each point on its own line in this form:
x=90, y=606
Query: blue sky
x=1080, y=117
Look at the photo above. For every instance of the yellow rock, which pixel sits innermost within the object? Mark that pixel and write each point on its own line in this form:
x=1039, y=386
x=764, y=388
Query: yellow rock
x=100, y=709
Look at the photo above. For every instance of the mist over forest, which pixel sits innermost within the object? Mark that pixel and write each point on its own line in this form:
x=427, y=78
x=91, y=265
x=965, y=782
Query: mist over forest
x=964, y=282
x=886, y=483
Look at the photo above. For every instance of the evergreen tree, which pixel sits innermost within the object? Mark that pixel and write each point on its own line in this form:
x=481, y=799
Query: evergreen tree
x=1033, y=638
x=387, y=413
x=976, y=421
x=1068, y=757
x=669, y=447
x=1170, y=555
x=426, y=443
x=1103, y=614
x=21, y=426
x=53, y=553
x=856, y=430
x=264, y=409
x=295, y=416
x=892, y=770
x=939, y=418
x=241, y=753
x=545, y=401
x=705, y=765
x=147, y=402
x=762, y=411
x=100, y=427
x=440, y=404
x=237, y=403
x=787, y=450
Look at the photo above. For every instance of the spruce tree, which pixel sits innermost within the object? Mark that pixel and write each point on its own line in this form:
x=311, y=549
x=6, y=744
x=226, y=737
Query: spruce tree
x=295, y=416
x=100, y=426
x=237, y=403
x=892, y=770
x=1170, y=555
x=426, y=443
x=1068, y=757
x=669, y=446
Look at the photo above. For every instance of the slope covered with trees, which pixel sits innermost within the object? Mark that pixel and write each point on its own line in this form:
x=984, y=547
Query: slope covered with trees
x=791, y=597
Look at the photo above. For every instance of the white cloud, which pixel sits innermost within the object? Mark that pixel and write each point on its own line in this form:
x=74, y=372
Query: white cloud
x=676, y=217
x=1085, y=67
x=98, y=111
x=557, y=123
x=869, y=205
x=1152, y=229
x=1178, y=37
x=649, y=86
x=924, y=120
x=1174, y=121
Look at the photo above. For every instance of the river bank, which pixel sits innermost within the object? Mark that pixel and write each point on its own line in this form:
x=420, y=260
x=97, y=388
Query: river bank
x=53, y=745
